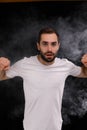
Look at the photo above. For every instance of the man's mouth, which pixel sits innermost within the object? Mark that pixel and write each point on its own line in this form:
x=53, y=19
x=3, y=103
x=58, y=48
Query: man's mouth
x=49, y=54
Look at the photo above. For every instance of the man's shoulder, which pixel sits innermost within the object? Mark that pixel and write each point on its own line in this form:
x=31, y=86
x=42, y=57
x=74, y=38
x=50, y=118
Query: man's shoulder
x=62, y=60
x=28, y=58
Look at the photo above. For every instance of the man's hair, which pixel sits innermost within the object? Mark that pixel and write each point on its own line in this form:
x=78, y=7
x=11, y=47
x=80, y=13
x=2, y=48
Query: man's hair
x=47, y=30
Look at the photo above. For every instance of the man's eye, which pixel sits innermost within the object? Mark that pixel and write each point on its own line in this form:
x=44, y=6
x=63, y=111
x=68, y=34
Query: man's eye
x=54, y=44
x=45, y=44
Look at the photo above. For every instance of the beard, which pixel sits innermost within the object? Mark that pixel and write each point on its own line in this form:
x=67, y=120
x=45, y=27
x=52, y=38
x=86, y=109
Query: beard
x=48, y=56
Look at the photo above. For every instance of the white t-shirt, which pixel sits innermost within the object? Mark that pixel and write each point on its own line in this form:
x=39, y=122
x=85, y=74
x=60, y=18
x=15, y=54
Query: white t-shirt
x=43, y=88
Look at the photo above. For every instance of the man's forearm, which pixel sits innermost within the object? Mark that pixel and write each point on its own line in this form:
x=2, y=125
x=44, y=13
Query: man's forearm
x=84, y=72
x=3, y=75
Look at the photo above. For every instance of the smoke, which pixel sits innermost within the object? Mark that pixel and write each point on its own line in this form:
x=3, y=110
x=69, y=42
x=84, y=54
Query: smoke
x=73, y=33
x=74, y=99
x=18, y=38
x=73, y=39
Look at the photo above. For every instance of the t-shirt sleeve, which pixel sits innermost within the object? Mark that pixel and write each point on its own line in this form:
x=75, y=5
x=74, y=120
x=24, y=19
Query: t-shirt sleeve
x=74, y=70
x=14, y=70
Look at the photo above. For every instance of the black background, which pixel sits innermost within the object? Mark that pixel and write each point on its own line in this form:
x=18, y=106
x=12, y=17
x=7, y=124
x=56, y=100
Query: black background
x=19, y=26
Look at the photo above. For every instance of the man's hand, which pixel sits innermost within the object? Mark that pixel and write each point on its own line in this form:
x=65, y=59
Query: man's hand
x=4, y=64
x=84, y=60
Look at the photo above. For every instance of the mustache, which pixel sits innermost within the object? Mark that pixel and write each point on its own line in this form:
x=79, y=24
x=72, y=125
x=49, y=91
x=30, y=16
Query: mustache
x=49, y=52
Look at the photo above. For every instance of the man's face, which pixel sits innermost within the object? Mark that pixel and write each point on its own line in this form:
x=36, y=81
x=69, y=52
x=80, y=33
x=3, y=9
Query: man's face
x=48, y=47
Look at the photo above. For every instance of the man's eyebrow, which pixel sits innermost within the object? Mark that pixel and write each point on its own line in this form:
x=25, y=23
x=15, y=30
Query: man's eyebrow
x=50, y=42
x=45, y=41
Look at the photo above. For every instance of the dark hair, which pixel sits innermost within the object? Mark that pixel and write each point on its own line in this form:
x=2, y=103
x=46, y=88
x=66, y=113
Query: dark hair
x=47, y=30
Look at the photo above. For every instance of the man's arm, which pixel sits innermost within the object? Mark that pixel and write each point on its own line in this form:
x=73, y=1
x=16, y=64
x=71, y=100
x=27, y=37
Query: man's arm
x=4, y=66
x=83, y=73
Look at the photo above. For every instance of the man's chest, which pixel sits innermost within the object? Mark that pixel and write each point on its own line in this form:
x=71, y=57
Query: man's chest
x=44, y=78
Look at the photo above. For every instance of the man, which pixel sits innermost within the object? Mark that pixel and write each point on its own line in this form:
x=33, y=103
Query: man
x=44, y=77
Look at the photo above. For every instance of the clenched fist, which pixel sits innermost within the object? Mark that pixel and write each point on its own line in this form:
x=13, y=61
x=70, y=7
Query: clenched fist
x=84, y=60
x=4, y=63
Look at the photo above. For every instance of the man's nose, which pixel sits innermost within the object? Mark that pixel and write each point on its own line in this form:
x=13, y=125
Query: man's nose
x=49, y=48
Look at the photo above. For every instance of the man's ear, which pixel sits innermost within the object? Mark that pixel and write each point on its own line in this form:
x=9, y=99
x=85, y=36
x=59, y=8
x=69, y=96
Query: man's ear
x=38, y=46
